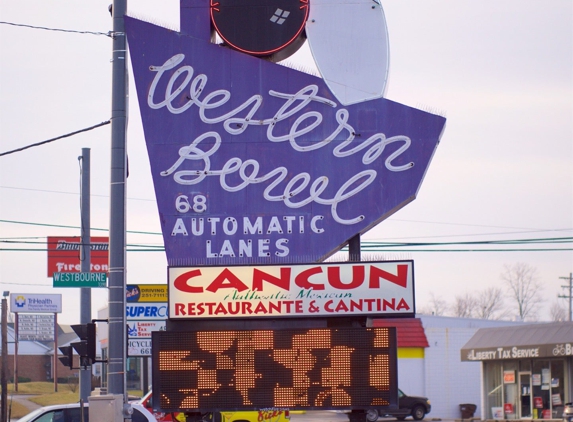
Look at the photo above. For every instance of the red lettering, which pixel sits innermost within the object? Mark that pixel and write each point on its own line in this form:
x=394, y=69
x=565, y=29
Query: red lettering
x=403, y=305
x=328, y=306
x=260, y=308
x=221, y=309
x=283, y=281
x=298, y=306
x=391, y=305
x=302, y=280
x=180, y=309
x=341, y=307
x=274, y=307
x=356, y=306
x=226, y=280
x=180, y=282
x=336, y=282
x=401, y=279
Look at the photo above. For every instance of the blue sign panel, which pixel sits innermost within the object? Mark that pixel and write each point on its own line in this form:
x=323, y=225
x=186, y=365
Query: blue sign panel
x=254, y=162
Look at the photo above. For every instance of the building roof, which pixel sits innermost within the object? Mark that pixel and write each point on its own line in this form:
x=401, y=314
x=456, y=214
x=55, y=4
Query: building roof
x=409, y=331
x=537, y=340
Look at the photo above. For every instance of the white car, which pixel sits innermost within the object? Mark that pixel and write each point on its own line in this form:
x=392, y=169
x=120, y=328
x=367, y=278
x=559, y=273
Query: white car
x=72, y=413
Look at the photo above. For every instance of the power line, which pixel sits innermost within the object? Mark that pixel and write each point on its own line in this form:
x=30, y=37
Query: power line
x=107, y=34
x=107, y=122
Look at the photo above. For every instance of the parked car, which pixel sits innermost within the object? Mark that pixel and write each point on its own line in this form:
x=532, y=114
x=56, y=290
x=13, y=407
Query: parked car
x=414, y=406
x=72, y=413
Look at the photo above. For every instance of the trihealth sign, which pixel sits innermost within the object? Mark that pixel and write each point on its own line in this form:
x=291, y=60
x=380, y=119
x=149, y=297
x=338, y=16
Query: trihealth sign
x=340, y=289
x=24, y=302
x=257, y=163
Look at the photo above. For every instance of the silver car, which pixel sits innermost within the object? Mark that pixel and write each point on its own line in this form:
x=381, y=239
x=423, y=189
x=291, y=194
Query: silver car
x=72, y=413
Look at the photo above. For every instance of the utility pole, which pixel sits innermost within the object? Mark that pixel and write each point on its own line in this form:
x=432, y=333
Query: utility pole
x=85, y=257
x=570, y=295
x=116, y=378
x=4, y=373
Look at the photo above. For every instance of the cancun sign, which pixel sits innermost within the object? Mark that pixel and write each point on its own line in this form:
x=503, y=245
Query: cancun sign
x=336, y=289
x=257, y=163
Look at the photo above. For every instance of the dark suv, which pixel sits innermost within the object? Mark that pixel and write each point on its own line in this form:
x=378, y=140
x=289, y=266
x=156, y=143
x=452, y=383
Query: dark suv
x=417, y=407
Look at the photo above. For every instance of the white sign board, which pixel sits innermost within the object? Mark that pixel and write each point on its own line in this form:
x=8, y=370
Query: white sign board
x=38, y=327
x=143, y=329
x=142, y=311
x=337, y=289
x=138, y=347
x=33, y=303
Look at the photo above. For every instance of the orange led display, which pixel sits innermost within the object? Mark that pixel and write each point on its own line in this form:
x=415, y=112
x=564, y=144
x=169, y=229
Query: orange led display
x=325, y=368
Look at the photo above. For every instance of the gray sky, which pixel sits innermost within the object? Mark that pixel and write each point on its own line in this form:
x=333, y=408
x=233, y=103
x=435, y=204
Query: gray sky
x=500, y=71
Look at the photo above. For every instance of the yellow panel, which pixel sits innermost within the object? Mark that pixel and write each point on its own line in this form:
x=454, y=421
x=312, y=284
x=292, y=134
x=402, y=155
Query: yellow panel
x=410, y=353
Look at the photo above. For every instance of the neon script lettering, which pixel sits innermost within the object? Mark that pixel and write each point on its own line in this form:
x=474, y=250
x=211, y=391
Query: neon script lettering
x=183, y=82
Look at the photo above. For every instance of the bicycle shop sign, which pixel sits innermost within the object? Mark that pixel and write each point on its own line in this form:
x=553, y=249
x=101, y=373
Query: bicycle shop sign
x=518, y=352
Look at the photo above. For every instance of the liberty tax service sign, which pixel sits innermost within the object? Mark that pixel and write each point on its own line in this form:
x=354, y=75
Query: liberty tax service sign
x=338, y=289
x=258, y=163
x=35, y=303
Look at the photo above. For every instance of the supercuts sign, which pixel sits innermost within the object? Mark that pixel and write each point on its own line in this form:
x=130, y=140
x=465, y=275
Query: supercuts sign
x=257, y=163
x=341, y=289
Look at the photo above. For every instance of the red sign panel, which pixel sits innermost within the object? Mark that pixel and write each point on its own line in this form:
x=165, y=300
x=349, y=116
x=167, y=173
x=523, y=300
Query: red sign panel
x=64, y=254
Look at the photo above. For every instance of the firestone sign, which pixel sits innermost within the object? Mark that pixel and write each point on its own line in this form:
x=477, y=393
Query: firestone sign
x=257, y=163
x=367, y=288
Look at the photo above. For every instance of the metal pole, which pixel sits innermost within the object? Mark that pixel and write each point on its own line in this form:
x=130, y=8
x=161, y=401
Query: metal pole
x=570, y=296
x=16, y=335
x=55, y=359
x=117, y=354
x=85, y=258
x=4, y=372
x=354, y=249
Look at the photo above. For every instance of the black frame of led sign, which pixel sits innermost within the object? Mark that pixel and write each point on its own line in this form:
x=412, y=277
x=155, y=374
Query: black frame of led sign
x=304, y=369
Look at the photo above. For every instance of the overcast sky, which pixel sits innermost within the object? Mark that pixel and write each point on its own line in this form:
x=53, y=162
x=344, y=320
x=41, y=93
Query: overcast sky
x=501, y=71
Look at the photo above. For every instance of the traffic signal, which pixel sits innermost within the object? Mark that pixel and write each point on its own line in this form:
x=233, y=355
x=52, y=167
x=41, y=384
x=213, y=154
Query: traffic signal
x=68, y=358
x=86, y=347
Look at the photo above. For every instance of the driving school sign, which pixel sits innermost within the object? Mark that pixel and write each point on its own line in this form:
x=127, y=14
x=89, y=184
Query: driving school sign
x=341, y=289
x=257, y=163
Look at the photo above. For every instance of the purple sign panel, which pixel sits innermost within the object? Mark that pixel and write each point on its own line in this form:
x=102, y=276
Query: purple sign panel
x=254, y=162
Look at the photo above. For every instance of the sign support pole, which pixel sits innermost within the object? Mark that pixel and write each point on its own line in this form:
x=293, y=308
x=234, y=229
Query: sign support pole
x=117, y=319
x=55, y=371
x=85, y=259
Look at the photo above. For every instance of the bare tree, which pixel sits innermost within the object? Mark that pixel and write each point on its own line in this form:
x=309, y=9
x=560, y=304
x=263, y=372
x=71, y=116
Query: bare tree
x=437, y=306
x=524, y=289
x=489, y=304
x=464, y=306
x=558, y=312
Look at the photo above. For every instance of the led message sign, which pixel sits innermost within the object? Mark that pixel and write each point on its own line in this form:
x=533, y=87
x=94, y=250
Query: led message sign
x=333, y=289
x=329, y=368
x=258, y=163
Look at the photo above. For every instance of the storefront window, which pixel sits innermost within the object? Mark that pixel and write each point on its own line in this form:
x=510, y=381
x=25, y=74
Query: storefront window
x=511, y=391
x=541, y=385
x=557, y=388
x=494, y=387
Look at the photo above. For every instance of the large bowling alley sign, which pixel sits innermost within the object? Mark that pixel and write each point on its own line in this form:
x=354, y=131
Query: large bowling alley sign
x=254, y=162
